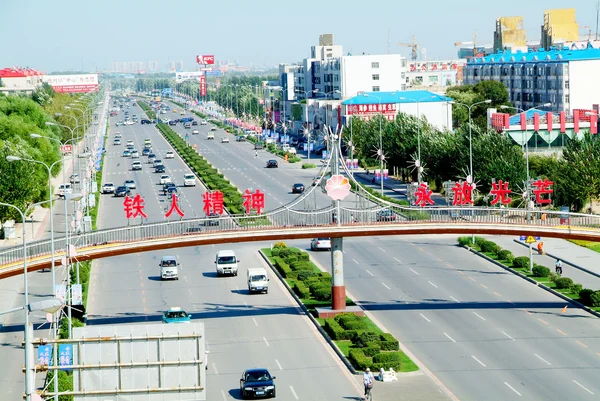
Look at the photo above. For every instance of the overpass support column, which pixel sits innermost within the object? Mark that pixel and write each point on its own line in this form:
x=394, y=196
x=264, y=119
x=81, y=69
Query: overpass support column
x=338, y=290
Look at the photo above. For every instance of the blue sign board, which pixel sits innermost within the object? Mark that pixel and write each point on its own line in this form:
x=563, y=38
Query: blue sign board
x=524, y=238
x=65, y=356
x=45, y=355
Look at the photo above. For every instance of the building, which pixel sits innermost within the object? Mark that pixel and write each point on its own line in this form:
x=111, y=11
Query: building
x=434, y=75
x=509, y=34
x=175, y=66
x=559, y=27
x=20, y=80
x=563, y=77
x=467, y=50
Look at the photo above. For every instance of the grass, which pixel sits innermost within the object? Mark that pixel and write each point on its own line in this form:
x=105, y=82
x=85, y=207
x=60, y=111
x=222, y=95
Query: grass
x=594, y=246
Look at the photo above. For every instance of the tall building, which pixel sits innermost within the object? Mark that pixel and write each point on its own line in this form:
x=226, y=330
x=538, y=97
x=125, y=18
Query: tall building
x=134, y=67
x=559, y=27
x=175, y=66
x=509, y=34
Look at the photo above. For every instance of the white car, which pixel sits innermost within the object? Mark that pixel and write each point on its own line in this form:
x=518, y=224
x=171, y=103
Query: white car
x=195, y=132
x=169, y=155
x=189, y=180
x=203, y=122
x=137, y=165
x=225, y=139
x=108, y=188
x=320, y=244
x=129, y=184
x=164, y=179
x=135, y=154
x=65, y=189
x=130, y=143
x=292, y=151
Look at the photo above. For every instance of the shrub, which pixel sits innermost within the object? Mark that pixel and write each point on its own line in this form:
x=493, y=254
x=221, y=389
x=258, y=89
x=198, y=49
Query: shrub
x=315, y=285
x=301, y=289
x=563, y=283
x=387, y=357
x=308, y=165
x=304, y=256
x=350, y=321
x=371, y=350
x=576, y=289
x=540, y=271
x=323, y=294
x=363, y=339
x=491, y=247
x=521, y=262
x=283, y=267
x=507, y=255
x=388, y=342
x=359, y=360
x=275, y=252
x=279, y=244
x=286, y=252
x=337, y=332
x=304, y=275
x=464, y=241
x=479, y=241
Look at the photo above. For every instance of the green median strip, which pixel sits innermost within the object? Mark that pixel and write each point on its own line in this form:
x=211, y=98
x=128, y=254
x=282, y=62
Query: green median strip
x=358, y=338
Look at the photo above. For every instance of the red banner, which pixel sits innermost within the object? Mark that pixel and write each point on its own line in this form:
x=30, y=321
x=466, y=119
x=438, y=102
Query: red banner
x=75, y=88
x=202, y=85
x=205, y=59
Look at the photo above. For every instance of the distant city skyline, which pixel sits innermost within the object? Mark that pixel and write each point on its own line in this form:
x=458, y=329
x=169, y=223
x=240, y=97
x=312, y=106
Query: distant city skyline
x=262, y=33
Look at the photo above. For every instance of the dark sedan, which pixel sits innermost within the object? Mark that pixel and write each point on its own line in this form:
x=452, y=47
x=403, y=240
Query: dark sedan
x=386, y=215
x=272, y=164
x=168, y=185
x=160, y=168
x=212, y=220
x=257, y=383
x=297, y=188
x=122, y=191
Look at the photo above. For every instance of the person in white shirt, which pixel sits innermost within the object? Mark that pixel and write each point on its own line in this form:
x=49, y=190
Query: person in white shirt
x=368, y=380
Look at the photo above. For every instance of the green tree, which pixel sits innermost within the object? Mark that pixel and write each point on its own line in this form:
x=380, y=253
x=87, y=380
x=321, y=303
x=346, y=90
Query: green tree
x=469, y=95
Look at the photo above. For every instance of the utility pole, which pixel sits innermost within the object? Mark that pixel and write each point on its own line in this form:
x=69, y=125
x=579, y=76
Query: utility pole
x=597, y=17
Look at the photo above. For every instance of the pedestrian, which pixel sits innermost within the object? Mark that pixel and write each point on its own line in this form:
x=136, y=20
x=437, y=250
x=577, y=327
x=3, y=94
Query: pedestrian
x=558, y=267
x=255, y=154
x=540, y=248
x=368, y=380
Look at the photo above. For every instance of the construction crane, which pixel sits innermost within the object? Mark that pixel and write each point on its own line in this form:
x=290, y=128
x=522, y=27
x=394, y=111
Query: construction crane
x=456, y=44
x=413, y=46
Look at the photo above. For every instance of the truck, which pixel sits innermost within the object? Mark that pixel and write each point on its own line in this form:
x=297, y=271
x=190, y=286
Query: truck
x=169, y=268
x=226, y=263
x=258, y=280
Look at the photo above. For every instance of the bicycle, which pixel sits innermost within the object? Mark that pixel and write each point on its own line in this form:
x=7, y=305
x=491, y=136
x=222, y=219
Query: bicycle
x=368, y=394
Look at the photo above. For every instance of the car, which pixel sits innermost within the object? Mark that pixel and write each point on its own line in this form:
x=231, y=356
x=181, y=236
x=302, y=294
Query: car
x=258, y=146
x=168, y=185
x=65, y=189
x=182, y=113
x=146, y=151
x=144, y=121
x=210, y=135
x=129, y=184
x=189, y=180
x=316, y=181
x=195, y=132
x=240, y=138
x=203, y=122
x=117, y=142
x=126, y=153
x=151, y=158
x=147, y=143
x=292, y=151
x=317, y=244
x=156, y=162
x=171, y=191
x=212, y=219
x=257, y=382
x=385, y=215
x=297, y=188
x=119, y=123
x=129, y=143
x=272, y=164
x=176, y=315
x=122, y=191
x=187, y=125
x=172, y=123
x=135, y=154
x=74, y=179
x=163, y=112
x=164, y=179
x=194, y=122
x=137, y=165
x=108, y=188
x=118, y=135
x=213, y=128
x=225, y=139
x=169, y=155
x=159, y=168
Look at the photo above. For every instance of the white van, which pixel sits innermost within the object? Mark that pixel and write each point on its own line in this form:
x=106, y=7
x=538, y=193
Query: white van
x=210, y=135
x=226, y=263
x=189, y=180
x=258, y=280
x=169, y=268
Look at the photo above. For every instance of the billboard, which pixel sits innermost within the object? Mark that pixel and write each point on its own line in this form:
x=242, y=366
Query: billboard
x=206, y=59
x=202, y=85
x=72, y=83
x=184, y=76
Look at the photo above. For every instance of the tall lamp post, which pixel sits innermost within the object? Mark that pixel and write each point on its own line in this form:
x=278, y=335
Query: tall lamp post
x=306, y=119
x=380, y=141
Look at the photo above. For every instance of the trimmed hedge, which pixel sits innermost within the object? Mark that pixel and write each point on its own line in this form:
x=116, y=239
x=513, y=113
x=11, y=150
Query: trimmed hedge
x=301, y=289
x=521, y=262
x=540, y=271
x=563, y=283
x=506, y=255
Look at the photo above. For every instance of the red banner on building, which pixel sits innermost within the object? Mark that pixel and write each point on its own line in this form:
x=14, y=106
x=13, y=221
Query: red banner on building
x=205, y=59
x=202, y=85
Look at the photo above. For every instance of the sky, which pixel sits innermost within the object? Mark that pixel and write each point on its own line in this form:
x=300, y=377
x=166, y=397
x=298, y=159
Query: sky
x=88, y=35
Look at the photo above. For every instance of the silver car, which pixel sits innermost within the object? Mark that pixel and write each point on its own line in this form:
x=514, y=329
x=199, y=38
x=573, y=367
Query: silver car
x=318, y=244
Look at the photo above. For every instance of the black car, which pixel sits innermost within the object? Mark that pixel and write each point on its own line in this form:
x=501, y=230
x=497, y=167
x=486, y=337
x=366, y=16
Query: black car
x=144, y=121
x=146, y=151
x=171, y=191
x=297, y=188
x=240, y=138
x=212, y=220
x=160, y=168
x=167, y=186
x=386, y=215
x=194, y=122
x=272, y=164
x=258, y=146
x=172, y=122
x=257, y=383
x=122, y=191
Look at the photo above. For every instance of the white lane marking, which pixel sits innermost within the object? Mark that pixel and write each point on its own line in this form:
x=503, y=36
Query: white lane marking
x=450, y=338
x=381, y=249
x=185, y=278
x=255, y=322
x=576, y=382
x=424, y=317
x=294, y=393
x=397, y=260
x=354, y=260
x=369, y=272
x=223, y=394
x=245, y=304
x=454, y=299
x=432, y=284
x=266, y=342
x=190, y=291
x=481, y=363
x=215, y=369
x=513, y=389
x=414, y=272
x=507, y=336
x=542, y=359
x=385, y=285
x=278, y=364
x=479, y=316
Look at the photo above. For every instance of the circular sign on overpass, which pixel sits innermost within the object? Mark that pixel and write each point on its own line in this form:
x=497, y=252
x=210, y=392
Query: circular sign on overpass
x=337, y=187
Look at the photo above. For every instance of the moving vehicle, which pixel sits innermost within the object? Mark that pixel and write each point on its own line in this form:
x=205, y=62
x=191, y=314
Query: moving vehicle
x=170, y=191
x=118, y=135
x=189, y=180
x=126, y=153
x=117, y=142
x=147, y=143
x=257, y=383
x=225, y=139
x=213, y=220
x=130, y=184
x=130, y=143
x=187, y=125
x=156, y=162
x=292, y=151
x=122, y=191
x=164, y=179
x=65, y=189
x=203, y=122
x=272, y=164
x=169, y=268
x=146, y=151
x=297, y=188
x=240, y=138
x=135, y=154
x=176, y=315
x=137, y=165
x=258, y=146
x=169, y=155
x=159, y=168
x=385, y=215
x=108, y=188
x=195, y=132
x=168, y=185
x=317, y=244
x=226, y=263
x=74, y=179
x=210, y=135
x=194, y=122
x=258, y=280
x=151, y=158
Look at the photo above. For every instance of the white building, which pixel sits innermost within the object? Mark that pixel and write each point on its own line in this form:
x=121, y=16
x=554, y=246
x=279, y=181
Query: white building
x=23, y=80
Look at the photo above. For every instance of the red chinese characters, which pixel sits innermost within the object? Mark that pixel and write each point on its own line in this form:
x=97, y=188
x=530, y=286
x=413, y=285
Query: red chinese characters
x=423, y=195
x=134, y=207
x=213, y=202
x=543, y=188
x=254, y=201
x=500, y=191
x=463, y=193
x=174, y=207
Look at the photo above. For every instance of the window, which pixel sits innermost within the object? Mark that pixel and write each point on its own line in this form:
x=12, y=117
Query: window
x=566, y=84
x=329, y=55
x=375, y=89
x=567, y=99
x=375, y=77
x=433, y=79
x=375, y=64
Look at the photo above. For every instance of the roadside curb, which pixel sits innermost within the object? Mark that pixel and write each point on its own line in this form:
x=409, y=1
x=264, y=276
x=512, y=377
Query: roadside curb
x=532, y=281
x=310, y=316
x=583, y=269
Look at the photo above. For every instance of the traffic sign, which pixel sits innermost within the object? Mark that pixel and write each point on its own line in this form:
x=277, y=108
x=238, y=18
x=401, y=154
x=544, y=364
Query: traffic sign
x=530, y=240
x=522, y=238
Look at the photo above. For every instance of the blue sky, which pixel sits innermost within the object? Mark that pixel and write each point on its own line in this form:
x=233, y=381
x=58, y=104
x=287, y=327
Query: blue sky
x=66, y=35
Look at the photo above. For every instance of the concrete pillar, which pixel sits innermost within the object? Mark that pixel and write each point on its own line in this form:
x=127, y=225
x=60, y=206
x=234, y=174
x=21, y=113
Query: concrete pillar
x=338, y=290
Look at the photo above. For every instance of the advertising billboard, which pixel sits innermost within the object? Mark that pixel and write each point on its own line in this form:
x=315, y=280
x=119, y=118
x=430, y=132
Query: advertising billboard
x=205, y=59
x=202, y=85
x=72, y=83
x=184, y=76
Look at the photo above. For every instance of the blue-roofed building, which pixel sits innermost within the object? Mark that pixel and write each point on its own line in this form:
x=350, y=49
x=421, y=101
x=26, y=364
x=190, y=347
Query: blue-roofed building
x=366, y=105
x=568, y=78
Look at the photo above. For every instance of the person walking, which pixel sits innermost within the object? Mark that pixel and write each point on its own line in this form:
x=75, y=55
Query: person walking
x=540, y=248
x=558, y=267
x=255, y=154
x=368, y=380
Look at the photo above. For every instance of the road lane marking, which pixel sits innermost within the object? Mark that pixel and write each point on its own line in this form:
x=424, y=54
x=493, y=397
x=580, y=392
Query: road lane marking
x=246, y=304
x=580, y=343
x=542, y=359
x=513, y=389
x=190, y=291
x=424, y=317
x=450, y=338
x=449, y=265
x=454, y=299
x=255, y=322
x=185, y=278
x=432, y=284
x=478, y=315
x=460, y=272
x=543, y=321
x=496, y=294
x=385, y=285
x=278, y=364
x=414, y=272
x=580, y=385
x=481, y=363
x=294, y=393
x=507, y=335
x=266, y=342
x=223, y=394
x=397, y=260
x=472, y=279
x=215, y=369
x=369, y=273
x=354, y=260
x=483, y=286
x=381, y=249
